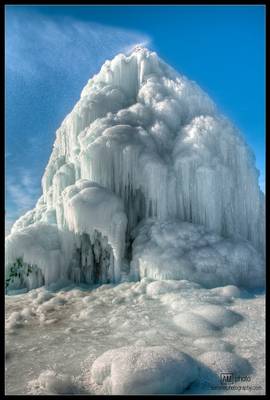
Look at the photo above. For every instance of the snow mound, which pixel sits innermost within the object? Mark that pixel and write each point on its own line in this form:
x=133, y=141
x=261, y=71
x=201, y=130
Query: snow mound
x=217, y=315
x=194, y=325
x=216, y=344
x=50, y=382
x=14, y=321
x=170, y=250
x=42, y=297
x=144, y=370
x=216, y=362
x=227, y=291
x=157, y=288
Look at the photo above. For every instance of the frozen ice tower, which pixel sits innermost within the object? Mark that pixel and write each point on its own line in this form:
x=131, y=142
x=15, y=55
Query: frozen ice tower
x=143, y=159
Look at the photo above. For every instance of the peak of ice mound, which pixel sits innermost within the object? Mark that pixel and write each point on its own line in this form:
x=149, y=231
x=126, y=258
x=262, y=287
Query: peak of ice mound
x=140, y=49
x=155, y=141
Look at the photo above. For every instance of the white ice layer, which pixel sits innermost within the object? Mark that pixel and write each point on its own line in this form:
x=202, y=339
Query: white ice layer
x=154, y=139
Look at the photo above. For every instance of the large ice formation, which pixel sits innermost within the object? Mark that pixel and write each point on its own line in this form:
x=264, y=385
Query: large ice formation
x=142, y=142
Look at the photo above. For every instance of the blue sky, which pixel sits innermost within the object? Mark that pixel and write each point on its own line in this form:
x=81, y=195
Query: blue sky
x=52, y=51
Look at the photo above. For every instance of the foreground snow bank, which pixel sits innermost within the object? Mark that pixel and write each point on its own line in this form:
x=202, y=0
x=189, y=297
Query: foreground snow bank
x=144, y=370
x=78, y=333
x=181, y=250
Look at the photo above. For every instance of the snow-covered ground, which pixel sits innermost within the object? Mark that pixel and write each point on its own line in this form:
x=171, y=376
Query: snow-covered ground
x=56, y=339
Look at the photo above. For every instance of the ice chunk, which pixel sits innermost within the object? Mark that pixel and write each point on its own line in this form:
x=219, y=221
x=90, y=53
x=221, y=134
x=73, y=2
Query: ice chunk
x=50, y=382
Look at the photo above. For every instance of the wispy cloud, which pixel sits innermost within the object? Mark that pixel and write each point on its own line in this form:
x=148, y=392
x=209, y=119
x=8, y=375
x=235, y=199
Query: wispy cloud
x=65, y=45
x=22, y=192
x=45, y=53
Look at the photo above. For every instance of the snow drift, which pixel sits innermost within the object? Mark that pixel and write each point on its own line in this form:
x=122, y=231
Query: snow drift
x=142, y=142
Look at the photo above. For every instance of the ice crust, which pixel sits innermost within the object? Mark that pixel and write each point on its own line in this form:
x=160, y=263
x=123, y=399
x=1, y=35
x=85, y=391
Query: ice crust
x=142, y=141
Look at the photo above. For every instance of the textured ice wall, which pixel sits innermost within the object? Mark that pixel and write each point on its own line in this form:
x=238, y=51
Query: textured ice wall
x=180, y=250
x=156, y=140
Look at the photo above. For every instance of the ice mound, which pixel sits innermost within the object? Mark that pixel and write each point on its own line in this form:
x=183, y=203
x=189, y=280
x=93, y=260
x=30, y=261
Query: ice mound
x=144, y=370
x=14, y=321
x=160, y=287
x=215, y=344
x=50, y=382
x=42, y=297
x=143, y=141
x=216, y=362
x=169, y=250
x=217, y=315
x=195, y=325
